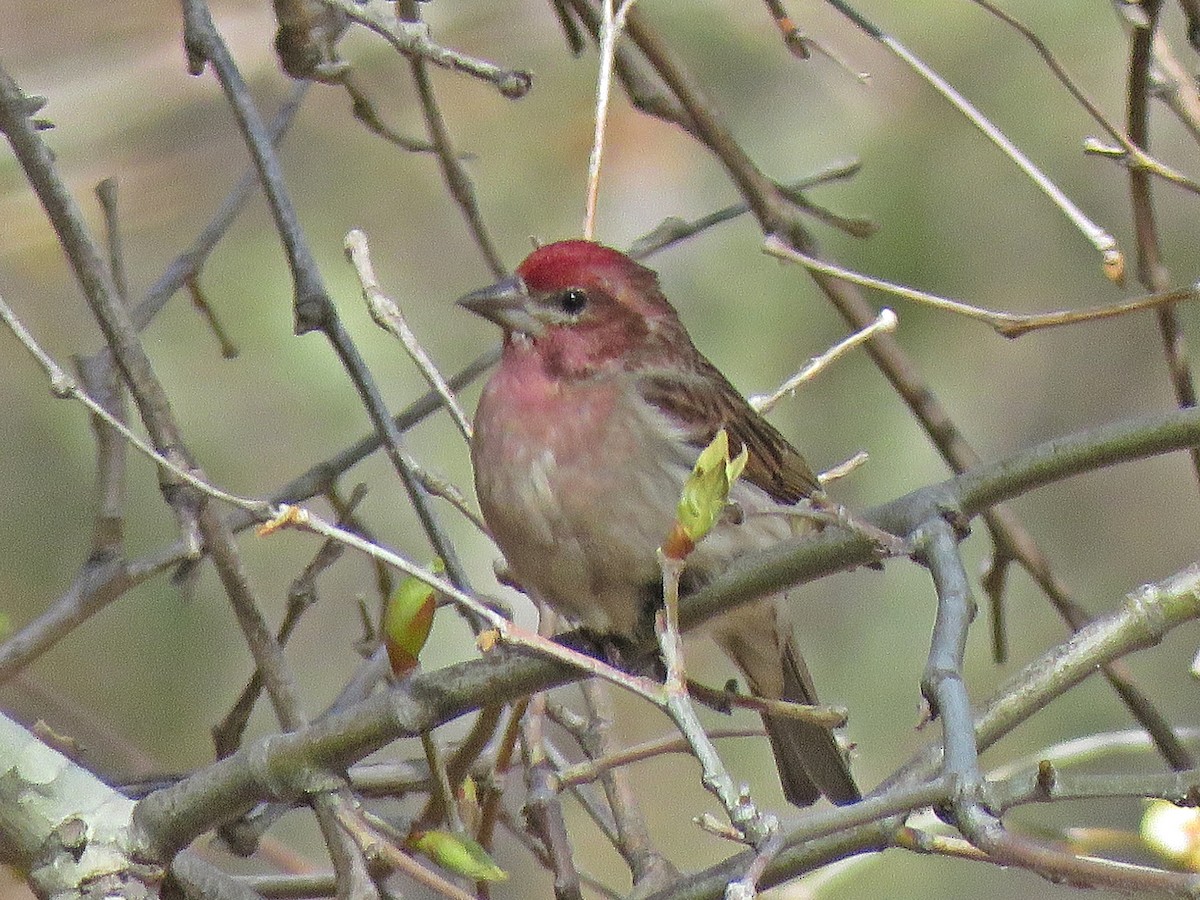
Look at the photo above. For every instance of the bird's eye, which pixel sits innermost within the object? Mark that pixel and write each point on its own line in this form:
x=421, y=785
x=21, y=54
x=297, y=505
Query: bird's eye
x=572, y=301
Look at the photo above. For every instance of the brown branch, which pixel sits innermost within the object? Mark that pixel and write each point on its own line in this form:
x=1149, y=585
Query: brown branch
x=453, y=172
x=1152, y=271
x=543, y=811
x=649, y=867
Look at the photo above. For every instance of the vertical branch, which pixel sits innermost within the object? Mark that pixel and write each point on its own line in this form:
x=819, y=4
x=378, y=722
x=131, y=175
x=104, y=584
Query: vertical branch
x=453, y=171
x=543, y=811
x=611, y=25
x=942, y=682
x=1152, y=272
x=102, y=383
x=649, y=867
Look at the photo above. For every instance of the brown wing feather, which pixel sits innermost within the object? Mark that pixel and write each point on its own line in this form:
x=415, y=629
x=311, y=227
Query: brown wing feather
x=704, y=401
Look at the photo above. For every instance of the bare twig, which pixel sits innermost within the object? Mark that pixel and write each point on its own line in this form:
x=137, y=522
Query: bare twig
x=1104, y=242
x=884, y=323
x=543, y=811
x=614, y=13
x=673, y=230
x=458, y=180
x=1127, y=151
x=590, y=771
x=649, y=867
x=756, y=828
x=1010, y=325
x=388, y=316
x=1151, y=269
x=1174, y=85
x=229, y=349
x=413, y=40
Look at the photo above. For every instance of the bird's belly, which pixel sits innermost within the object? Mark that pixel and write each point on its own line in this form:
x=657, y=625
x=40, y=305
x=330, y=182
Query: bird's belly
x=579, y=506
x=581, y=533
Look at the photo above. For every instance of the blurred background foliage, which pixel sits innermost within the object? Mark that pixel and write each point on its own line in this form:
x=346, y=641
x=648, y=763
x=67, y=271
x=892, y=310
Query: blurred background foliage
x=159, y=667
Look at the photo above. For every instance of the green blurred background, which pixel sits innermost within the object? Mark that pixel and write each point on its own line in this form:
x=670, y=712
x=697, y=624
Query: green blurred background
x=956, y=218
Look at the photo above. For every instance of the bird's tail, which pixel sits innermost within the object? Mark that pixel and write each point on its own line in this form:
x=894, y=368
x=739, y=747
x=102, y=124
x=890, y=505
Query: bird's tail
x=809, y=759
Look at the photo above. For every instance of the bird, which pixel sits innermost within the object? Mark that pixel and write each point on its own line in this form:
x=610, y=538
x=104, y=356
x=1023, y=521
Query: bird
x=583, y=437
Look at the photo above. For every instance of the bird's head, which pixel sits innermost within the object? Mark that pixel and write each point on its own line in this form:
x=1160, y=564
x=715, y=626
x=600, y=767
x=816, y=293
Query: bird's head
x=582, y=306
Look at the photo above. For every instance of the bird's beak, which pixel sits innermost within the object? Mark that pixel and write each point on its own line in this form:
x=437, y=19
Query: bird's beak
x=506, y=303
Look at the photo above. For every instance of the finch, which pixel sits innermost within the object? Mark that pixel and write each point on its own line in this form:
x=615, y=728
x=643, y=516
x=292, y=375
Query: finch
x=583, y=438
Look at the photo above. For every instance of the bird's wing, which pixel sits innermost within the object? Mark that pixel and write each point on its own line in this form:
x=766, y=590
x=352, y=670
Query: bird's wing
x=703, y=401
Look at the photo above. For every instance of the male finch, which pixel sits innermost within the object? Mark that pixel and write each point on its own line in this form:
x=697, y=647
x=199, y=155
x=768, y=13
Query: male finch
x=584, y=436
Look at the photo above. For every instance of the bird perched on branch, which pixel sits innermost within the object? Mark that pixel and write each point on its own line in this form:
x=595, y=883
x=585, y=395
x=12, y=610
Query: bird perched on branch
x=583, y=438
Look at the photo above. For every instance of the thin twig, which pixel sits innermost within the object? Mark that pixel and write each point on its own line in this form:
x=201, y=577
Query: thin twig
x=673, y=230
x=543, y=810
x=1089, y=748
x=842, y=469
x=458, y=180
x=229, y=349
x=648, y=866
x=756, y=828
x=1010, y=325
x=583, y=772
x=725, y=701
x=613, y=23
x=1104, y=242
x=101, y=380
x=885, y=322
x=1151, y=269
x=413, y=40
x=1129, y=152
x=387, y=315
x=1175, y=85
x=521, y=834
x=1140, y=160
x=443, y=792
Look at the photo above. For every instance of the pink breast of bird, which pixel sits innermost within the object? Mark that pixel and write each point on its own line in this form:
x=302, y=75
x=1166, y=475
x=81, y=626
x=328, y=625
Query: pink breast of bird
x=581, y=487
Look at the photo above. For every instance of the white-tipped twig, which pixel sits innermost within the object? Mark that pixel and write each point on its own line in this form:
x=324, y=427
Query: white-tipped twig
x=1097, y=236
x=387, y=315
x=886, y=321
x=1010, y=325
